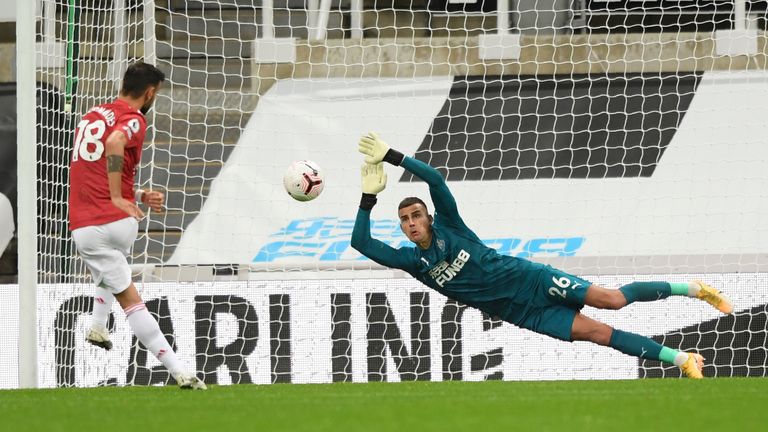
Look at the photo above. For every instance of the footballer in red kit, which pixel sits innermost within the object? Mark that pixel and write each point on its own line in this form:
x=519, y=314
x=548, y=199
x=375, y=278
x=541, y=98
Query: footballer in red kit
x=104, y=215
x=90, y=202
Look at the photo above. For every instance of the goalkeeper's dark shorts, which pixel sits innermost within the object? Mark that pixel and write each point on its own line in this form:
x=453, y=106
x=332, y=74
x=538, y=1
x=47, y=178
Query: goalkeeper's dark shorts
x=556, y=299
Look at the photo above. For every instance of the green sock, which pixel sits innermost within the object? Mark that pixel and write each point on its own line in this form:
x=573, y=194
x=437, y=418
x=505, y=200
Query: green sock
x=644, y=347
x=650, y=291
x=635, y=345
x=678, y=288
x=673, y=356
x=646, y=291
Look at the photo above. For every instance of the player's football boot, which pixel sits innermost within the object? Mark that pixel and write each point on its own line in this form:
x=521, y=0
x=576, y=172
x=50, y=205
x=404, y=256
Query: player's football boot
x=693, y=366
x=99, y=337
x=190, y=382
x=715, y=298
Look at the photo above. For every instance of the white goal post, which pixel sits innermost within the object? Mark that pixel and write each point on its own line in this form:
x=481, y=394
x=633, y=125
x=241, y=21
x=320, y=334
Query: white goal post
x=617, y=141
x=27, y=203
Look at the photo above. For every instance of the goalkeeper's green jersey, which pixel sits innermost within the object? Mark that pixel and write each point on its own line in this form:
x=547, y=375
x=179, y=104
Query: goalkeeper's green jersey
x=457, y=263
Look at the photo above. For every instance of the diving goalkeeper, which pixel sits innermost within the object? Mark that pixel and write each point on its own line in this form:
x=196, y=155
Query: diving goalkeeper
x=449, y=258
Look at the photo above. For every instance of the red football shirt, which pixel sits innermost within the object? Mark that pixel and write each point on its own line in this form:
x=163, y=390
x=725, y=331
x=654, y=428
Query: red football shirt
x=89, y=198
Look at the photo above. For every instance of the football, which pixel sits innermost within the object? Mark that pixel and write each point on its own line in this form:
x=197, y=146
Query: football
x=303, y=180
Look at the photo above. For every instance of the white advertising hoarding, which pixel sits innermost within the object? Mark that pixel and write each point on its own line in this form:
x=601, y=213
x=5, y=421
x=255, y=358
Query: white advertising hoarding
x=321, y=331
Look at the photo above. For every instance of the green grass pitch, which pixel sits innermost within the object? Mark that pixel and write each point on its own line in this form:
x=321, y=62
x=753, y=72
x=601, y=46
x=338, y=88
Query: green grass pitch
x=723, y=404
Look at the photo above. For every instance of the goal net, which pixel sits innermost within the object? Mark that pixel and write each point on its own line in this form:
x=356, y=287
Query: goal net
x=615, y=140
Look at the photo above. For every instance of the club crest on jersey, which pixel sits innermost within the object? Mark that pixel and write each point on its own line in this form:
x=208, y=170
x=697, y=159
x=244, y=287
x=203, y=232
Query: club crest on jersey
x=444, y=272
x=441, y=244
x=131, y=128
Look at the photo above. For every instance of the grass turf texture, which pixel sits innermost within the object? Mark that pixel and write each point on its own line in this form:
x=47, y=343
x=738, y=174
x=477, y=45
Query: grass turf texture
x=651, y=404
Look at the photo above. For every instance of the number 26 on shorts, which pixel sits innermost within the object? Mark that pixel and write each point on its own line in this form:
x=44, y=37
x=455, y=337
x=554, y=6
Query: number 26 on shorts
x=563, y=284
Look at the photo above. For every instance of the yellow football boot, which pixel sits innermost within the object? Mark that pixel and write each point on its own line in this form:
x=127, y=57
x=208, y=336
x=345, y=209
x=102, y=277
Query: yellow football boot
x=693, y=366
x=715, y=298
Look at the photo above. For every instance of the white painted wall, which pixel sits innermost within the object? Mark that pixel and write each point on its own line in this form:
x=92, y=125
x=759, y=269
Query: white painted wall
x=8, y=10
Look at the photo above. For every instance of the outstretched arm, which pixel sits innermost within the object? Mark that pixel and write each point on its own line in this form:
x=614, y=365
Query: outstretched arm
x=374, y=180
x=377, y=151
x=376, y=250
x=445, y=203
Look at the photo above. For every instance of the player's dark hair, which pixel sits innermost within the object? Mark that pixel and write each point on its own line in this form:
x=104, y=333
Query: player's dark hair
x=411, y=201
x=139, y=77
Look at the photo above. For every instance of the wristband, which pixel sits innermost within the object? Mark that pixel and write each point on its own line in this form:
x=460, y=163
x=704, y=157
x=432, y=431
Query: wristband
x=394, y=157
x=367, y=201
x=138, y=195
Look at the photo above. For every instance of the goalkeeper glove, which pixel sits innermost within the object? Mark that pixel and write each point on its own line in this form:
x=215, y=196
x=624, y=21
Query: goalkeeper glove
x=373, y=177
x=374, y=180
x=376, y=150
